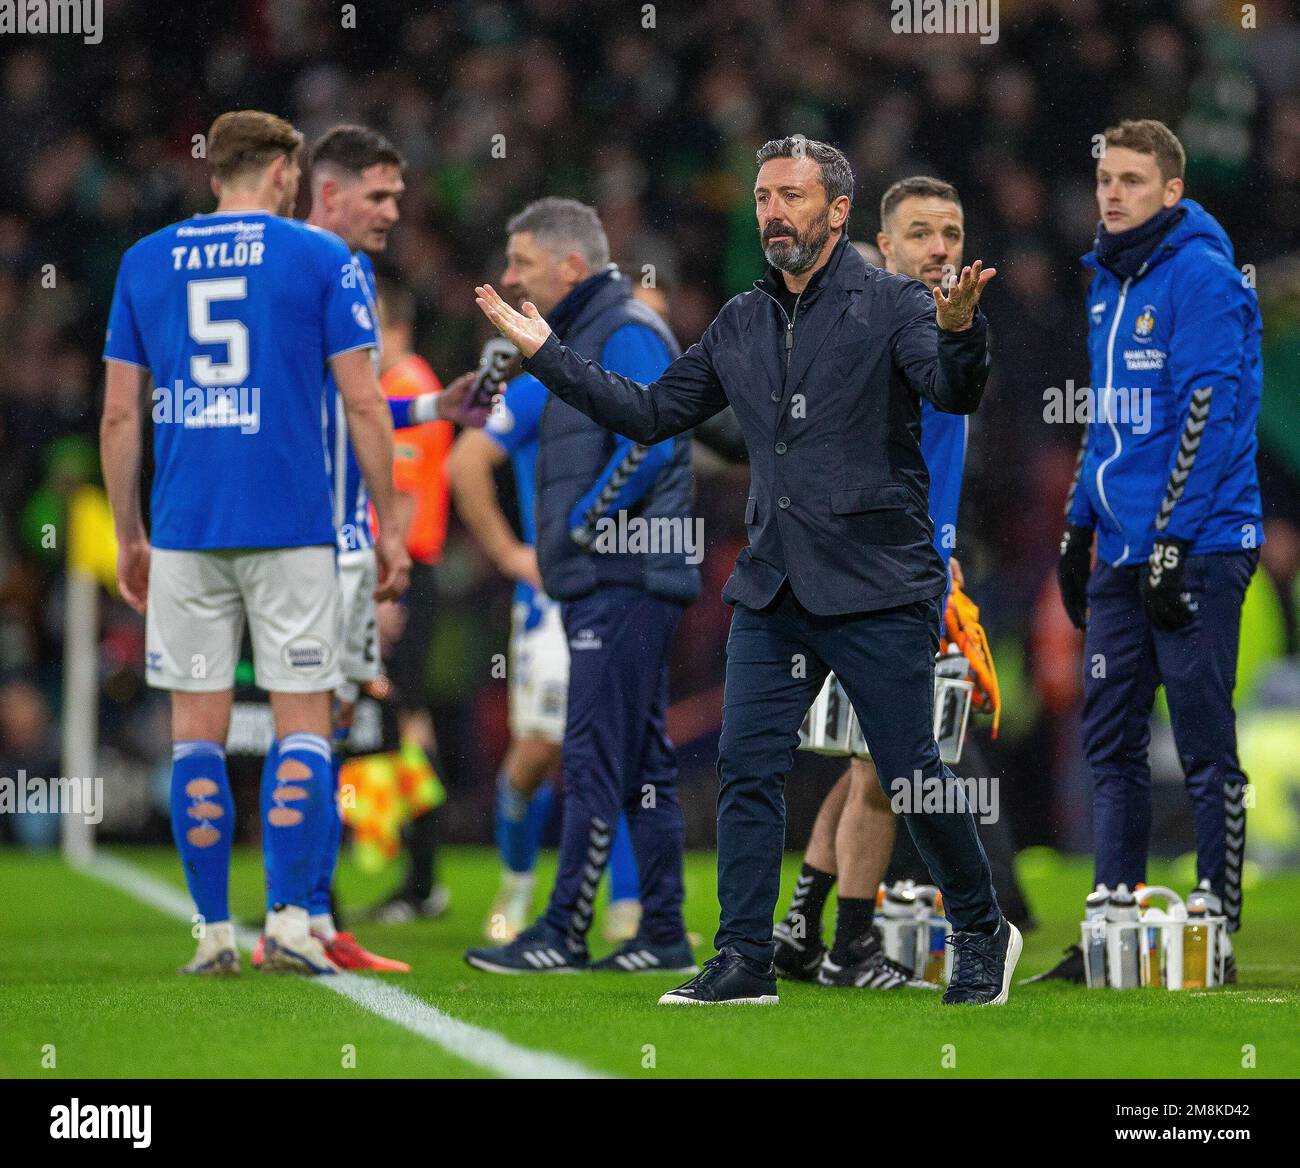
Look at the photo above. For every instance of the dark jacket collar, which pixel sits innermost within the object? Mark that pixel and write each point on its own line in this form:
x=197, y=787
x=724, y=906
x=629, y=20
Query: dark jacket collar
x=773, y=284
x=593, y=293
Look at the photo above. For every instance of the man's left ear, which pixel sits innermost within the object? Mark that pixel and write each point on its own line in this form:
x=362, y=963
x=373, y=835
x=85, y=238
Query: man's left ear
x=840, y=211
x=1173, y=191
x=574, y=268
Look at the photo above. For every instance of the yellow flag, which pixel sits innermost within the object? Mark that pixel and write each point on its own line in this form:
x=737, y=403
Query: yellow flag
x=92, y=542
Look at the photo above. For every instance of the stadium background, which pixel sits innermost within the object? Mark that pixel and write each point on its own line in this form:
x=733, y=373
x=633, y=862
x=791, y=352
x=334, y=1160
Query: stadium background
x=656, y=127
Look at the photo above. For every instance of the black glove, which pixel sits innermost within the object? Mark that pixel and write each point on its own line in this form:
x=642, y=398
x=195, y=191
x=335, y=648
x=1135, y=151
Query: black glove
x=1072, y=572
x=1168, y=604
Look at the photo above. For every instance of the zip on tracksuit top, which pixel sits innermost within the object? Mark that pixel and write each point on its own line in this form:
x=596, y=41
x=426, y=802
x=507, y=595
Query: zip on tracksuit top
x=1170, y=446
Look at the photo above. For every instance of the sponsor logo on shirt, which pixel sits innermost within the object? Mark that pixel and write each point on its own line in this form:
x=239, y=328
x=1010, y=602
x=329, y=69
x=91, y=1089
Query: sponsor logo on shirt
x=306, y=654
x=1144, y=359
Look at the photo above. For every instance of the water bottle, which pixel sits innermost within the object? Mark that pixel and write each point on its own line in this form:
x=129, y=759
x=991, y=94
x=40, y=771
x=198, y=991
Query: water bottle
x=1162, y=936
x=1197, y=963
x=1094, y=934
x=1122, y=942
x=898, y=924
x=930, y=917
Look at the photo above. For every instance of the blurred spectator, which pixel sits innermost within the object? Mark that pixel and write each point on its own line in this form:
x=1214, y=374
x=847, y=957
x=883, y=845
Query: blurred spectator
x=496, y=104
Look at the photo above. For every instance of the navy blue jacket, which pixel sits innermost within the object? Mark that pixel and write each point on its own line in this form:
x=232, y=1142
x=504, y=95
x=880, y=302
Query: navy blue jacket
x=830, y=406
x=577, y=457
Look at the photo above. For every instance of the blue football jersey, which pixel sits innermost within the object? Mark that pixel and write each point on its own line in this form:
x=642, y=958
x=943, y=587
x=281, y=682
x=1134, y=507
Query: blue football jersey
x=351, y=500
x=513, y=425
x=236, y=316
x=943, y=446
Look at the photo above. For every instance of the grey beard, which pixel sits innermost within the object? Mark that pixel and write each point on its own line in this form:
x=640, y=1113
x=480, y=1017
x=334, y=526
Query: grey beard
x=796, y=258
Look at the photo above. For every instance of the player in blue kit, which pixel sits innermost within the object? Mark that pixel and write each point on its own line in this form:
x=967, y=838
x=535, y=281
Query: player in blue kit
x=356, y=178
x=236, y=316
x=539, y=665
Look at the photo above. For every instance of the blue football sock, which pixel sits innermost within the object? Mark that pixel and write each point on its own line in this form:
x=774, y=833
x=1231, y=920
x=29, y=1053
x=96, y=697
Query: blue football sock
x=520, y=822
x=329, y=857
x=203, y=825
x=540, y=807
x=623, y=882
x=264, y=801
x=295, y=818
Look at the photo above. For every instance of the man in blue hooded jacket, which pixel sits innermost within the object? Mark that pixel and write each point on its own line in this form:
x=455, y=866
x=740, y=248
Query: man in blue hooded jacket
x=1167, y=481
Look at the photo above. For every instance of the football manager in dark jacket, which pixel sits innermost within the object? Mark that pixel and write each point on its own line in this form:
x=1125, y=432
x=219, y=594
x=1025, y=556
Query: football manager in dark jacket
x=825, y=363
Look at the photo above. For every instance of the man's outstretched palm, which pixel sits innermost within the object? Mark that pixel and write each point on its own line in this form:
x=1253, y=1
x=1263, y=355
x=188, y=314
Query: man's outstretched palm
x=954, y=309
x=526, y=330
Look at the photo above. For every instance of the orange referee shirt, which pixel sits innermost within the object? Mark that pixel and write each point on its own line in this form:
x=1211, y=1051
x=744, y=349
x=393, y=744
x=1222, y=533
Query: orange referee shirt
x=420, y=460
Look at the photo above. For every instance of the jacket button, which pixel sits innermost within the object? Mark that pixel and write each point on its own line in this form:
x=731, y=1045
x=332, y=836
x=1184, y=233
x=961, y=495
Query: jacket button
x=776, y=396
x=783, y=502
x=781, y=448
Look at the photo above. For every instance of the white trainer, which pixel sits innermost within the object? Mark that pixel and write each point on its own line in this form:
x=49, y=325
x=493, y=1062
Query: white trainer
x=217, y=955
x=622, y=920
x=512, y=909
x=290, y=946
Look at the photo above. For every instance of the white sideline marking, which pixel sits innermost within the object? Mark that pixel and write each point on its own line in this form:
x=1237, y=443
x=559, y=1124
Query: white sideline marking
x=473, y=1044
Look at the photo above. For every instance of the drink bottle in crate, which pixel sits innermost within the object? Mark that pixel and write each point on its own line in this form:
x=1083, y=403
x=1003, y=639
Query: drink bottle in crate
x=936, y=964
x=1122, y=928
x=1093, y=940
x=1204, y=947
x=902, y=937
x=1162, y=937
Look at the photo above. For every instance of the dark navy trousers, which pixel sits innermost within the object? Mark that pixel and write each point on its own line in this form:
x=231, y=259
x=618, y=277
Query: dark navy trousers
x=777, y=660
x=617, y=757
x=1126, y=659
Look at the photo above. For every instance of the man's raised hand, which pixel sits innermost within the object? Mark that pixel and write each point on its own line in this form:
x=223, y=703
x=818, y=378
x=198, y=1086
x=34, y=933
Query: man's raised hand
x=526, y=330
x=955, y=310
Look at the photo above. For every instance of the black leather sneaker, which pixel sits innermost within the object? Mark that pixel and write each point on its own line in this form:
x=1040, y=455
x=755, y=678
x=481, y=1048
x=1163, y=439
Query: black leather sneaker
x=982, y=966
x=727, y=980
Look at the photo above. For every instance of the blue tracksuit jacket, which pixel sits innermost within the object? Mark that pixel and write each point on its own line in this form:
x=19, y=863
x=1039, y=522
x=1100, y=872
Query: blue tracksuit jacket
x=1170, y=446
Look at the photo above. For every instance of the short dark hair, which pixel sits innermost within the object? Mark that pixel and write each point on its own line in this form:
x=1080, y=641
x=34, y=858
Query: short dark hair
x=917, y=185
x=558, y=223
x=247, y=141
x=837, y=174
x=1147, y=136
x=355, y=149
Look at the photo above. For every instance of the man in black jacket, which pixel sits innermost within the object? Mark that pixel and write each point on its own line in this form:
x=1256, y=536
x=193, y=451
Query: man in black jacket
x=825, y=363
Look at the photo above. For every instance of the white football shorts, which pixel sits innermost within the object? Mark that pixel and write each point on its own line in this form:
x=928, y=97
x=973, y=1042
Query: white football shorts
x=539, y=673
x=358, y=578
x=199, y=602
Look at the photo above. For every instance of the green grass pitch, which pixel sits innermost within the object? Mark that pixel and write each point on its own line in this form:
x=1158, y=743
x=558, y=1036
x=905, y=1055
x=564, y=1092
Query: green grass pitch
x=88, y=983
